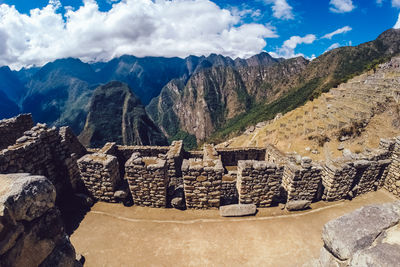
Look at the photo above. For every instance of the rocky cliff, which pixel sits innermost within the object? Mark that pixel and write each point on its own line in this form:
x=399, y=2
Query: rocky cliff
x=213, y=95
x=117, y=115
x=323, y=73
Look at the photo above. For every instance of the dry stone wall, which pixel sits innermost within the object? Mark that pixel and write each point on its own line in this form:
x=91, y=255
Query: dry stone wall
x=202, y=183
x=148, y=180
x=301, y=181
x=40, y=151
x=69, y=139
x=231, y=156
x=100, y=174
x=392, y=182
x=337, y=178
x=14, y=128
x=174, y=159
x=258, y=182
x=229, y=192
x=349, y=177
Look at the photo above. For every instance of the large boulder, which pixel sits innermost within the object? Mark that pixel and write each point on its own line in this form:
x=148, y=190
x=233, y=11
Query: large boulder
x=25, y=197
x=358, y=230
x=31, y=229
x=237, y=210
x=381, y=255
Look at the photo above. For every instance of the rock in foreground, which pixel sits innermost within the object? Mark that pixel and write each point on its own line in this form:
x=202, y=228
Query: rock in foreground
x=31, y=230
x=366, y=237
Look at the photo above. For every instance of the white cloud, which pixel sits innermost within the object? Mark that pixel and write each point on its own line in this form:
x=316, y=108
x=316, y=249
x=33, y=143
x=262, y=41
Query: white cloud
x=397, y=25
x=396, y=3
x=281, y=9
x=338, y=31
x=288, y=47
x=135, y=27
x=333, y=46
x=342, y=6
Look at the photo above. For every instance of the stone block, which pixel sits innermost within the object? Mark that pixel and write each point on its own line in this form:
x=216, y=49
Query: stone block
x=237, y=210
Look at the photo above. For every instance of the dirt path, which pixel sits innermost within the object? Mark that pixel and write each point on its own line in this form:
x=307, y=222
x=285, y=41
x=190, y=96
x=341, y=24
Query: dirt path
x=113, y=235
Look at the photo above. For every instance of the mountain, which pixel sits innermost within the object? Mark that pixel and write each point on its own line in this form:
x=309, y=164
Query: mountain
x=10, y=85
x=323, y=73
x=8, y=108
x=59, y=93
x=214, y=95
x=355, y=116
x=117, y=115
x=145, y=75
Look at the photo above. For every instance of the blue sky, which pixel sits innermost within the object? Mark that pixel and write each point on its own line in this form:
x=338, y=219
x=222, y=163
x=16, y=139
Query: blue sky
x=160, y=28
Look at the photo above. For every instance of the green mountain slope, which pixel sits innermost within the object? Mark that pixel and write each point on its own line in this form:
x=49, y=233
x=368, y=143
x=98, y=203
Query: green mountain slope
x=117, y=115
x=323, y=73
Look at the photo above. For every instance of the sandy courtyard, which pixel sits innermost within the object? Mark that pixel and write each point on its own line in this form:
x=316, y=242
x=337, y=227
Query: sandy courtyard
x=114, y=235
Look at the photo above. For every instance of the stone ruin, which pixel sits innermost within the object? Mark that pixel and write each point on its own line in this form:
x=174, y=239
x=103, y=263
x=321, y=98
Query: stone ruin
x=155, y=176
x=169, y=176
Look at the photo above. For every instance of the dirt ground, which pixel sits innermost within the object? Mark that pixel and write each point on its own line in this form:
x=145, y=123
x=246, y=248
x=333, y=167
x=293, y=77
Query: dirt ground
x=114, y=235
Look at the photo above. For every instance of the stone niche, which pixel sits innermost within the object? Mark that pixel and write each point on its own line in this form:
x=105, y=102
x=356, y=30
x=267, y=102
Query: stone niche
x=100, y=174
x=258, y=182
x=148, y=180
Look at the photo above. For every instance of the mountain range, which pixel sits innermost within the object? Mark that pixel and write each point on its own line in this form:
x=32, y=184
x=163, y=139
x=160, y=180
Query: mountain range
x=195, y=98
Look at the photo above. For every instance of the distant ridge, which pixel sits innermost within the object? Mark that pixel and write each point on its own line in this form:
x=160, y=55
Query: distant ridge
x=117, y=115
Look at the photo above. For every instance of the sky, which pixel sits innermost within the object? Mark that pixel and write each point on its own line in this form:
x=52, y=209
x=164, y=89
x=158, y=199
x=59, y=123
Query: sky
x=33, y=33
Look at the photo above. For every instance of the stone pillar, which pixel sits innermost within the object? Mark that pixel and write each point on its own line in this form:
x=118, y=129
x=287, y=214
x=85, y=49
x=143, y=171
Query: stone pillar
x=301, y=181
x=258, y=182
x=202, y=183
x=100, y=174
x=392, y=183
x=148, y=181
x=337, y=179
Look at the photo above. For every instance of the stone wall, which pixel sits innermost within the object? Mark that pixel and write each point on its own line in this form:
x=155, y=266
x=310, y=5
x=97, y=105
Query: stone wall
x=229, y=192
x=14, y=128
x=69, y=139
x=174, y=164
x=302, y=181
x=202, y=183
x=392, y=183
x=40, y=151
x=349, y=177
x=231, y=156
x=100, y=174
x=125, y=152
x=258, y=182
x=32, y=232
x=148, y=180
x=337, y=178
